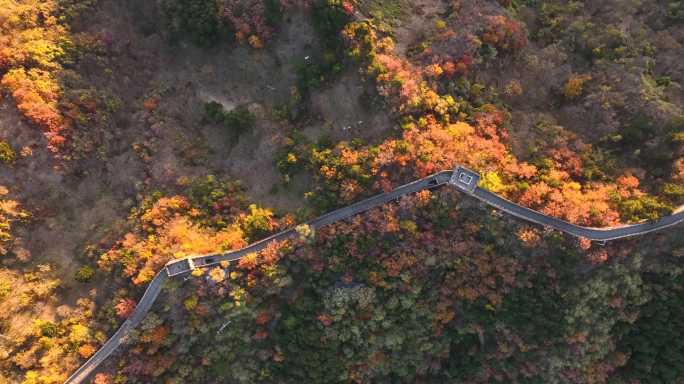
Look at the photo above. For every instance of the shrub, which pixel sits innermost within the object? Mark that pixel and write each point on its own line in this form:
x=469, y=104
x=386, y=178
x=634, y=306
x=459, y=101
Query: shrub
x=504, y=34
x=258, y=223
x=213, y=112
x=643, y=208
x=84, y=274
x=273, y=12
x=329, y=18
x=5, y=288
x=71, y=9
x=513, y=88
x=636, y=131
x=254, y=21
x=7, y=154
x=574, y=86
x=46, y=328
x=86, y=350
x=124, y=307
x=196, y=19
x=238, y=121
x=678, y=137
x=674, y=191
x=675, y=10
x=293, y=157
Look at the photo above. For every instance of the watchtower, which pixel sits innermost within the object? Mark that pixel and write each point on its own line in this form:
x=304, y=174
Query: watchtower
x=465, y=179
x=177, y=267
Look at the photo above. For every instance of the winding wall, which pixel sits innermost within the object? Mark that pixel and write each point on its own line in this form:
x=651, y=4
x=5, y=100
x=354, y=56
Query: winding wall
x=430, y=182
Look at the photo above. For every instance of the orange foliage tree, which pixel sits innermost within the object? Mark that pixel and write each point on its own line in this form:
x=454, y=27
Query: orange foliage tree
x=250, y=18
x=214, y=218
x=440, y=131
x=37, y=93
x=32, y=38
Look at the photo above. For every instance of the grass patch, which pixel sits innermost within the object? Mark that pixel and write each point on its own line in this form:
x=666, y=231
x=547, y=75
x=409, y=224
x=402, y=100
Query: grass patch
x=385, y=13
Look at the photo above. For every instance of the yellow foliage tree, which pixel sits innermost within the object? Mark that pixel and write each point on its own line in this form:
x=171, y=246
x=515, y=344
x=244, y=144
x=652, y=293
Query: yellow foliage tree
x=32, y=41
x=574, y=86
x=170, y=234
x=9, y=213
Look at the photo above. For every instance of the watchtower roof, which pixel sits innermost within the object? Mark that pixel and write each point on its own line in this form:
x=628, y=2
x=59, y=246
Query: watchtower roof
x=465, y=179
x=178, y=267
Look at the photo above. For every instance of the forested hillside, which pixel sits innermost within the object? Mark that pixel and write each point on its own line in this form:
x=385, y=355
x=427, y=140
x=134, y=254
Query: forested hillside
x=137, y=132
x=433, y=288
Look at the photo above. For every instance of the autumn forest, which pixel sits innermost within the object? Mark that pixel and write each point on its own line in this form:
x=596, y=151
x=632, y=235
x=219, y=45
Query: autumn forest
x=135, y=132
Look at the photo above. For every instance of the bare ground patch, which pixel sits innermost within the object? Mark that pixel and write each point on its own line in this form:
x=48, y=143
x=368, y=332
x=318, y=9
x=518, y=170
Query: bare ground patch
x=152, y=148
x=348, y=109
x=67, y=212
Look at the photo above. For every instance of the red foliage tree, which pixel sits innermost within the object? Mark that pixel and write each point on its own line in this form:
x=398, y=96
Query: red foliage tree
x=504, y=33
x=102, y=378
x=125, y=307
